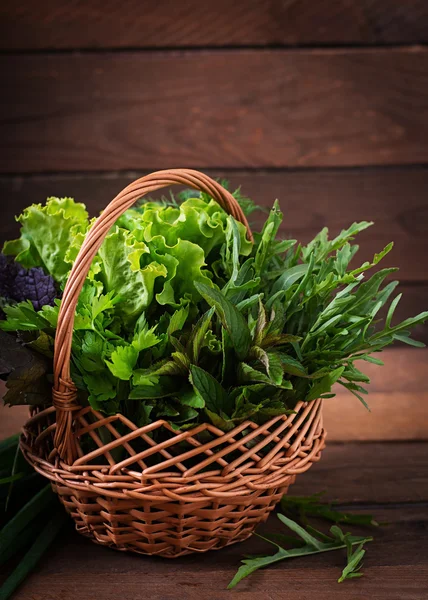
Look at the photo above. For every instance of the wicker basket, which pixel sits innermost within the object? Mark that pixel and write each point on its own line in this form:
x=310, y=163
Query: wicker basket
x=190, y=491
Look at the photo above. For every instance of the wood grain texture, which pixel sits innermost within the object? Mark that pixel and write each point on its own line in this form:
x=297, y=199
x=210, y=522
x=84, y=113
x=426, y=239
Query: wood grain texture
x=369, y=473
x=272, y=108
x=395, y=566
x=161, y=23
x=398, y=397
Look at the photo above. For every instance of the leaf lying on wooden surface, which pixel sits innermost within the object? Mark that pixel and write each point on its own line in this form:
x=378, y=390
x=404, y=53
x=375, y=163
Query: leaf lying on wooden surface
x=308, y=540
x=302, y=507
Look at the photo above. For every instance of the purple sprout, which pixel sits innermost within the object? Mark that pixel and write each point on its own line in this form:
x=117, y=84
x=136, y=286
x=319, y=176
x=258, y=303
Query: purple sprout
x=18, y=284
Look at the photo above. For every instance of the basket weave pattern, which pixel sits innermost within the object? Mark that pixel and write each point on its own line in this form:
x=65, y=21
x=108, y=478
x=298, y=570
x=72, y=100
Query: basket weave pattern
x=172, y=508
x=151, y=489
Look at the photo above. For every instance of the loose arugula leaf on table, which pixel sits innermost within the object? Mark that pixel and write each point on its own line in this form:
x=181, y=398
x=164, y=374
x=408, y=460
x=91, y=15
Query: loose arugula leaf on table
x=354, y=557
x=302, y=507
x=312, y=545
x=308, y=540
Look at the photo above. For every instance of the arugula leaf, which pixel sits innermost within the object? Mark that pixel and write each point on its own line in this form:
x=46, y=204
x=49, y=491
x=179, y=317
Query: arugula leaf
x=289, y=277
x=354, y=564
x=268, y=235
x=323, y=386
x=311, y=546
x=307, y=539
x=311, y=506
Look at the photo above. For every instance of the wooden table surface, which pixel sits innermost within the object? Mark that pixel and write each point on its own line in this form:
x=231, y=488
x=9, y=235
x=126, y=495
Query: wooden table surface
x=387, y=479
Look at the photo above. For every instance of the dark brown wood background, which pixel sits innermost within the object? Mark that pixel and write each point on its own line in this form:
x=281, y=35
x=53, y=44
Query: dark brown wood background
x=323, y=104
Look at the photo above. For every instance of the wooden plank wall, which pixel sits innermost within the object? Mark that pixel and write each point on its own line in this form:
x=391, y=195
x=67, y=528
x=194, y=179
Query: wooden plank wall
x=322, y=104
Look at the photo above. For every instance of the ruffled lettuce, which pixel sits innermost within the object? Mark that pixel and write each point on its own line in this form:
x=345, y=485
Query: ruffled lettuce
x=125, y=270
x=46, y=233
x=204, y=224
x=155, y=252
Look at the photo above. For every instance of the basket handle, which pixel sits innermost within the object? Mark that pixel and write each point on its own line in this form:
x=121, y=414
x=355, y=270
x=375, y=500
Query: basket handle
x=64, y=391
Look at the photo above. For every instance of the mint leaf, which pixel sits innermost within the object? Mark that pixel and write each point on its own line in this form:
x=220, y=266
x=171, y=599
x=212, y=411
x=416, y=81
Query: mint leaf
x=197, y=337
x=209, y=390
x=232, y=320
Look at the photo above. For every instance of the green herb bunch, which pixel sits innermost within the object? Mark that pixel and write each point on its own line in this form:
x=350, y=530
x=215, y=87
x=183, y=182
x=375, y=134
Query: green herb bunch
x=298, y=513
x=182, y=318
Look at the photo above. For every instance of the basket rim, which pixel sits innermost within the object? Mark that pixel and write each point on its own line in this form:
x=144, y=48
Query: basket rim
x=293, y=442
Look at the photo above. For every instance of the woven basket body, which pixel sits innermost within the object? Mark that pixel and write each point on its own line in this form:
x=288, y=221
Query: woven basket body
x=151, y=489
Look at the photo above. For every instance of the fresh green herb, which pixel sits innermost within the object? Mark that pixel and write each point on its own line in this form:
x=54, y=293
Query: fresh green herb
x=182, y=318
x=354, y=559
x=303, y=507
x=308, y=540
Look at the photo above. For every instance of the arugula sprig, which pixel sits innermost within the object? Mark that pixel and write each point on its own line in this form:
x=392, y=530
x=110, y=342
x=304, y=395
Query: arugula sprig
x=303, y=507
x=353, y=557
x=308, y=540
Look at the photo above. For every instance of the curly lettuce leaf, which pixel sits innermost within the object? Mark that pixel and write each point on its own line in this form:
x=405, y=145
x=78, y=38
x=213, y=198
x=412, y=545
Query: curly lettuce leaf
x=202, y=223
x=184, y=262
x=121, y=271
x=46, y=234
